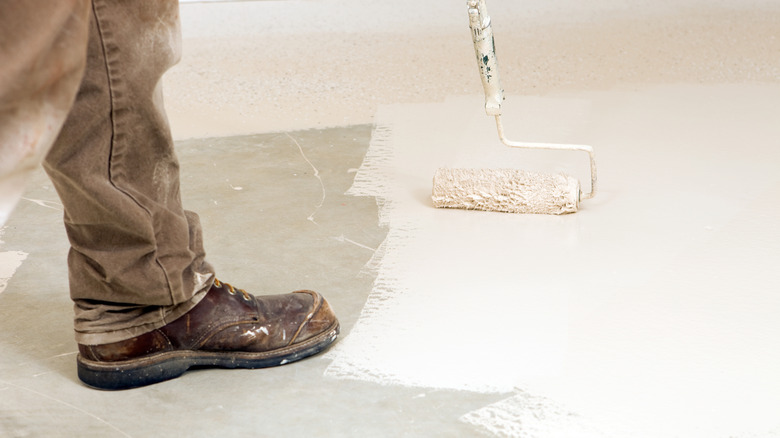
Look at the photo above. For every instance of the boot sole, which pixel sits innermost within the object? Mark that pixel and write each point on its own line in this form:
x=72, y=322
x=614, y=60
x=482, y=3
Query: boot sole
x=171, y=364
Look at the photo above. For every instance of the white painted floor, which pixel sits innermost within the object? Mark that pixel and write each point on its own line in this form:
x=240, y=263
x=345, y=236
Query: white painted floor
x=652, y=312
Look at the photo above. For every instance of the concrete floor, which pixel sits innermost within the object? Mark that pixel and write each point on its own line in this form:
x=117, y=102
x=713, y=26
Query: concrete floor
x=243, y=188
x=272, y=126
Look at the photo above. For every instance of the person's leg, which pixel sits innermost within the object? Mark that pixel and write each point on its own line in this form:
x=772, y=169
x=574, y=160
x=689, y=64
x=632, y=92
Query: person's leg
x=147, y=304
x=136, y=258
x=42, y=56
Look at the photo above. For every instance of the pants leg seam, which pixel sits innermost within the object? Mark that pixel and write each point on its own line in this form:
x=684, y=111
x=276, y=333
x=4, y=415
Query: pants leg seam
x=104, y=34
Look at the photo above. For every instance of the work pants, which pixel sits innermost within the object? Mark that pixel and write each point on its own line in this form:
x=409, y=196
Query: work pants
x=80, y=89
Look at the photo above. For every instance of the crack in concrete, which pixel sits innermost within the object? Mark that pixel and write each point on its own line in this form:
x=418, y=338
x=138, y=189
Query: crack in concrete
x=316, y=175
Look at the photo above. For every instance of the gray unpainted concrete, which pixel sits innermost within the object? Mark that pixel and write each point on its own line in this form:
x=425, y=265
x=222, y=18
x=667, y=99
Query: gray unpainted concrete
x=255, y=195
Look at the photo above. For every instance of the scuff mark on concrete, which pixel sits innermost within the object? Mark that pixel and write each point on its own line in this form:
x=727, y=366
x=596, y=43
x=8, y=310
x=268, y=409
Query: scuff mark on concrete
x=47, y=204
x=68, y=405
x=344, y=239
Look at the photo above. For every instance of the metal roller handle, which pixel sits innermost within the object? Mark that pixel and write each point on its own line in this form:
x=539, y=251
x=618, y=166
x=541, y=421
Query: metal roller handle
x=555, y=147
x=485, y=49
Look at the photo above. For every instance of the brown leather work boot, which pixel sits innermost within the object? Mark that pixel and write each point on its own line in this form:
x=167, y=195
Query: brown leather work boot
x=229, y=328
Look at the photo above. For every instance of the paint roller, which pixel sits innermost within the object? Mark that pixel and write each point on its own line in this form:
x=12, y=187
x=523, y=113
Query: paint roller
x=506, y=190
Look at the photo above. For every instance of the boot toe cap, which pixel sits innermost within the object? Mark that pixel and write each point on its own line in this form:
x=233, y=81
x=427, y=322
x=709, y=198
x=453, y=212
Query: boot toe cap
x=319, y=320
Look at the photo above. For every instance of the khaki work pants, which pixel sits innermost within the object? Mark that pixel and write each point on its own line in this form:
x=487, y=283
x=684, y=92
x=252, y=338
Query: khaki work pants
x=80, y=90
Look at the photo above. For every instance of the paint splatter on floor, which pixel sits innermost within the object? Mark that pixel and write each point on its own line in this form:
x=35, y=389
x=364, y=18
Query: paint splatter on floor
x=9, y=263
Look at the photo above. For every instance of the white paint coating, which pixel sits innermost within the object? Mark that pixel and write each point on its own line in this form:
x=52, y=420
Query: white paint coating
x=527, y=416
x=652, y=310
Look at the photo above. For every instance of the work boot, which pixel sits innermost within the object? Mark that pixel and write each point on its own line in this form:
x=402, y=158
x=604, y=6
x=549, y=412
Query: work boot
x=228, y=328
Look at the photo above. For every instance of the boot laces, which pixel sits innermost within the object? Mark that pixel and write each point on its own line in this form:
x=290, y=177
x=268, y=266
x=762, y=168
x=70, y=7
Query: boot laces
x=232, y=290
